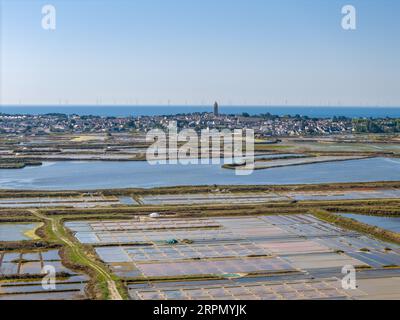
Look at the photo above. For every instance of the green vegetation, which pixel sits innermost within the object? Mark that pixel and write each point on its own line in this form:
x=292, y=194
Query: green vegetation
x=15, y=163
x=103, y=284
x=59, y=275
x=243, y=165
x=384, y=206
x=376, y=125
x=27, y=245
x=352, y=224
x=203, y=189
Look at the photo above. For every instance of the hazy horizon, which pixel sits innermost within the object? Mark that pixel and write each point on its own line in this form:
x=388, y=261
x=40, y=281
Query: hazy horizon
x=191, y=105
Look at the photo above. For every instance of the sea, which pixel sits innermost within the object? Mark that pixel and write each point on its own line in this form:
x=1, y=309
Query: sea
x=124, y=111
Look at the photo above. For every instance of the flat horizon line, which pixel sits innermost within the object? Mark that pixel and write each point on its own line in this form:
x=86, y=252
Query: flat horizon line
x=191, y=105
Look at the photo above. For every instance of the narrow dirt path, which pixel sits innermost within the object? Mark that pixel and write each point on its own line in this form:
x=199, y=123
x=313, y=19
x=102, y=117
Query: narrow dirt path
x=112, y=287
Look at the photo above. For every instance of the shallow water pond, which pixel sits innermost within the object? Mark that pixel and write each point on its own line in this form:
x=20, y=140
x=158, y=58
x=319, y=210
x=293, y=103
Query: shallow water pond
x=78, y=175
x=388, y=223
x=17, y=231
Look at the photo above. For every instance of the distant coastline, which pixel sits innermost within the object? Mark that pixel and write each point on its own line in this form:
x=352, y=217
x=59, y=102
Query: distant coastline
x=123, y=111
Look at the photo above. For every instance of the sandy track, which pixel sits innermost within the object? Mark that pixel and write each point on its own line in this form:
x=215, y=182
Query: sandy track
x=112, y=288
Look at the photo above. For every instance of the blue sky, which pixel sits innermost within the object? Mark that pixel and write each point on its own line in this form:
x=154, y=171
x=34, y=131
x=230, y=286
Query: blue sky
x=238, y=52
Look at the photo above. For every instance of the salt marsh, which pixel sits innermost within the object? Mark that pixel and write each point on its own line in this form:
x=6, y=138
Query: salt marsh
x=17, y=231
x=77, y=175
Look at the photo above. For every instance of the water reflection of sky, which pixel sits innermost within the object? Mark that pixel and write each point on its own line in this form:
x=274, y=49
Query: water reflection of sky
x=388, y=223
x=15, y=231
x=114, y=174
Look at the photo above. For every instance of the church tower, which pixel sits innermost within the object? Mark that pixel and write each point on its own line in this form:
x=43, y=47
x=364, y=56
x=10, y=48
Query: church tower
x=216, y=112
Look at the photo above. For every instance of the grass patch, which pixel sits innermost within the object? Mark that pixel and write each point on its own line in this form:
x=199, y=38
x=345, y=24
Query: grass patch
x=352, y=224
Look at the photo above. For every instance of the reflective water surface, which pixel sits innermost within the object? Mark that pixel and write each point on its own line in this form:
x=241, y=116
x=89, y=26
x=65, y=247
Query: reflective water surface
x=75, y=175
x=388, y=223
